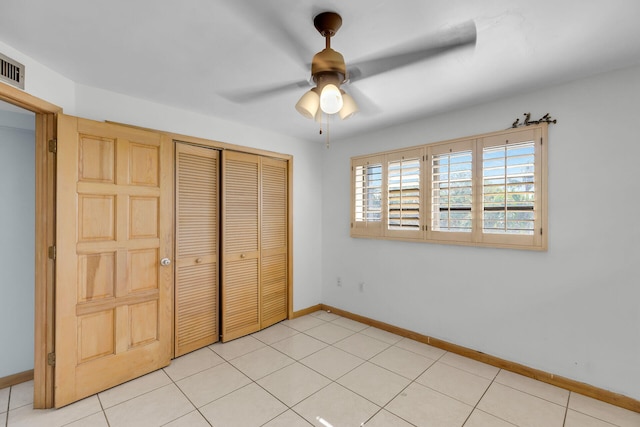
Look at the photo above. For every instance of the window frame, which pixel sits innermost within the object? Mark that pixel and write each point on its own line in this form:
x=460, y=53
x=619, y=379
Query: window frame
x=534, y=240
x=439, y=149
x=538, y=240
x=403, y=156
x=366, y=228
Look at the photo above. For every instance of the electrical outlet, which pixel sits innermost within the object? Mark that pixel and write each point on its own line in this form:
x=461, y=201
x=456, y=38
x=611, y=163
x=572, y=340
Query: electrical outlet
x=339, y=282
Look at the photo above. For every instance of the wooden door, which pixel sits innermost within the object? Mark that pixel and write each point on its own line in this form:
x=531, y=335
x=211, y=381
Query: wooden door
x=273, y=241
x=113, y=299
x=240, y=245
x=196, y=286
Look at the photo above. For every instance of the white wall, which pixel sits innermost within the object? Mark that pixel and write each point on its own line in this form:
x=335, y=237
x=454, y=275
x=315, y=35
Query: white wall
x=17, y=241
x=573, y=310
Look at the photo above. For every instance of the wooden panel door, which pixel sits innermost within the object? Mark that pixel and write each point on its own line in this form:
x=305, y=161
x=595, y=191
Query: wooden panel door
x=196, y=286
x=273, y=241
x=240, y=245
x=113, y=299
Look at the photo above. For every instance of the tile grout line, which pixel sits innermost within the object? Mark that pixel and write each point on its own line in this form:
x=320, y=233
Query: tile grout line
x=475, y=407
x=6, y=420
x=396, y=396
x=589, y=415
x=136, y=396
x=414, y=381
x=104, y=413
x=529, y=394
x=566, y=411
x=189, y=400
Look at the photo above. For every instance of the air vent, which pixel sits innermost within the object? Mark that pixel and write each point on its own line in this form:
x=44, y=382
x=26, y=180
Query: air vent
x=11, y=72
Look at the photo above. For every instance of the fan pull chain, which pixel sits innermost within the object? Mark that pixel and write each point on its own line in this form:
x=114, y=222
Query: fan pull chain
x=327, y=134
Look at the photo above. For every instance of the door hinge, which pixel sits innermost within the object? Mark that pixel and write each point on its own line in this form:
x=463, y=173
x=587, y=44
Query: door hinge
x=51, y=359
x=53, y=145
x=52, y=252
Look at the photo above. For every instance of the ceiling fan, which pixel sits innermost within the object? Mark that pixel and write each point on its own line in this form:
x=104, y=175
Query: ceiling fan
x=329, y=72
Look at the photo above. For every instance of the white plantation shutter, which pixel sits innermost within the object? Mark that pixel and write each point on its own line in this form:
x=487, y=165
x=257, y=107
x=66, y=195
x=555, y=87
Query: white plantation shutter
x=369, y=193
x=511, y=188
x=403, y=194
x=367, y=196
x=452, y=191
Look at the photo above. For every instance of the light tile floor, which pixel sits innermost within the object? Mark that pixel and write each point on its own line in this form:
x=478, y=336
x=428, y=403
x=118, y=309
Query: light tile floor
x=322, y=370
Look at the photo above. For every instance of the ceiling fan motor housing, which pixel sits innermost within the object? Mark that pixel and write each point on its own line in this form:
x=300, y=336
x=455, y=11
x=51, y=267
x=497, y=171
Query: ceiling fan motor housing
x=328, y=62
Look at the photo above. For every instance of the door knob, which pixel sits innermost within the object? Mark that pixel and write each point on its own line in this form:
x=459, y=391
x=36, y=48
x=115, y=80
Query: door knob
x=165, y=261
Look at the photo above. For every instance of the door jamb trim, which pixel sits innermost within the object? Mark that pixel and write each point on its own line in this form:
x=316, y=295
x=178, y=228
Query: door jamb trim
x=45, y=162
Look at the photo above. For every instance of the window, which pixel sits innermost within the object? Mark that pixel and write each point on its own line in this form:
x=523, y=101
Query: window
x=514, y=191
x=367, y=197
x=488, y=190
x=508, y=189
x=403, y=194
x=369, y=193
x=452, y=195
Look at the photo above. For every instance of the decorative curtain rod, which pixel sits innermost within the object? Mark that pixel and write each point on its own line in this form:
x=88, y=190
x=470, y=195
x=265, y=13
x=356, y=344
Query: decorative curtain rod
x=528, y=122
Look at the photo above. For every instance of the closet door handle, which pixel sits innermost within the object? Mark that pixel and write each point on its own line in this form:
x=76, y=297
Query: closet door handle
x=198, y=260
x=165, y=261
x=243, y=256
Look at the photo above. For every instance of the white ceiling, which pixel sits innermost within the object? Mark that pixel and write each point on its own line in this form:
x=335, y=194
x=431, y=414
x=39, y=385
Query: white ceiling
x=190, y=53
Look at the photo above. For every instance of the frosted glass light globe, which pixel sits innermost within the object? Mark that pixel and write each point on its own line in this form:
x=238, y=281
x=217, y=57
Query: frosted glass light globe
x=308, y=104
x=331, y=99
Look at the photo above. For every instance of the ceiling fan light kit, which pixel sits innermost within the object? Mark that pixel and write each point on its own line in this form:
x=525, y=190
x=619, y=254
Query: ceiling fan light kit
x=328, y=72
x=349, y=107
x=331, y=99
x=309, y=103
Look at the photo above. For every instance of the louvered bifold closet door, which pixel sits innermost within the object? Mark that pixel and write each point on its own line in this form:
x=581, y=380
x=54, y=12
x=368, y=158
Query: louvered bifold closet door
x=240, y=245
x=196, y=286
x=273, y=239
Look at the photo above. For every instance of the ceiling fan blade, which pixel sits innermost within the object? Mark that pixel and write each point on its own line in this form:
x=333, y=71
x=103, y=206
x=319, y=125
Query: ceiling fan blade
x=451, y=38
x=250, y=95
x=270, y=22
x=365, y=104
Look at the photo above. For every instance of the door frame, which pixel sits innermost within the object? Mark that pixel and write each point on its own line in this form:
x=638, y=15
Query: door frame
x=45, y=169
